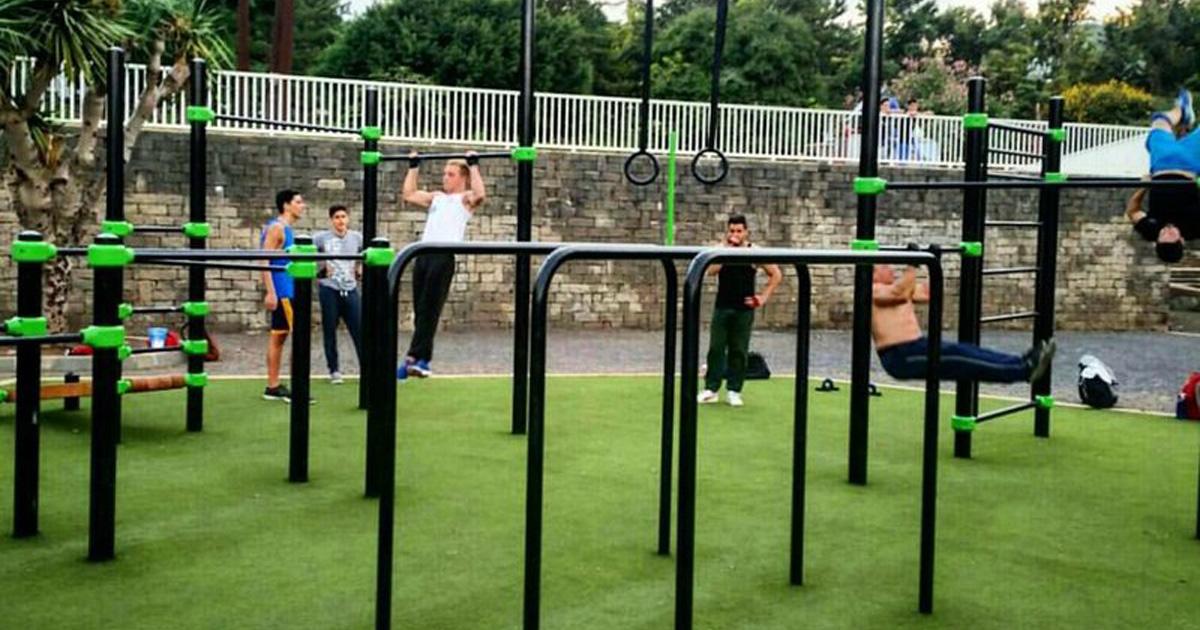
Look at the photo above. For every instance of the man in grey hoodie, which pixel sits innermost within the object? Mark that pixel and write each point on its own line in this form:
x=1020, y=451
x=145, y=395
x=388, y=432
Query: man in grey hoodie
x=338, y=286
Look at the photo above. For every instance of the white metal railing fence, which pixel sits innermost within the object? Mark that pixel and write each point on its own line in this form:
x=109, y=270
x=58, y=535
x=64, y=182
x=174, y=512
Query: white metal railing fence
x=482, y=117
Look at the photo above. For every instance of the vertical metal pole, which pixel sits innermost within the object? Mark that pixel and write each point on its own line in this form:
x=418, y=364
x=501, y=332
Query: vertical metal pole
x=685, y=545
x=868, y=166
x=525, y=138
x=71, y=403
x=670, y=328
x=669, y=229
x=382, y=410
x=197, y=214
x=114, y=205
x=800, y=422
x=26, y=432
x=1047, y=259
x=370, y=208
x=970, y=297
x=375, y=312
x=535, y=462
x=106, y=371
x=929, y=453
x=301, y=368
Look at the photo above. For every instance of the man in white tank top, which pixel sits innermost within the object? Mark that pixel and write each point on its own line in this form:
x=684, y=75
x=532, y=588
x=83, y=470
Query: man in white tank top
x=449, y=211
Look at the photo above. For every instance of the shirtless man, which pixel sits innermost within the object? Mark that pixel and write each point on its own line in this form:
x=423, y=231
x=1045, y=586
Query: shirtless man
x=1172, y=215
x=902, y=347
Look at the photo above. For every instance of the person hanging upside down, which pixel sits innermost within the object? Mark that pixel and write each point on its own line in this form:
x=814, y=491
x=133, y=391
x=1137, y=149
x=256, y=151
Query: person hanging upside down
x=1173, y=214
x=902, y=347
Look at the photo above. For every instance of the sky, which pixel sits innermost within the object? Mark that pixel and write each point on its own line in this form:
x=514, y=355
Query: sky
x=615, y=9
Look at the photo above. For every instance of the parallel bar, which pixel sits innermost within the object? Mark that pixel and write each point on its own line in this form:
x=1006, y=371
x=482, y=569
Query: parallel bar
x=1024, y=154
x=145, y=310
x=1005, y=411
x=1037, y=184
x=1008, y=317
x=202, y=265
x=1004, y=271
x=279, y=124
x=1040, y=133
x=154, y=254
x=46, y=339
x=157, y=229
x=1032, y=224
x=162, y=350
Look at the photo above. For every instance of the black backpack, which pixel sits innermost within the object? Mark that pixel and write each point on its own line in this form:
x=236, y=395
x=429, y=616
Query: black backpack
x=756, y=367
x=1097, y=385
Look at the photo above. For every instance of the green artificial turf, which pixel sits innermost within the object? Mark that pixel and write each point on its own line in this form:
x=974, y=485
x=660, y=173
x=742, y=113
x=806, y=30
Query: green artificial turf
x=1092, y=528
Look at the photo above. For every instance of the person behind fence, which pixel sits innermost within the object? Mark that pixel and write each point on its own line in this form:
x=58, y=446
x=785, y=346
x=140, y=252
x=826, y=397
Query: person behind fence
x=450, y=209
x=278, y=288
x=733, y=317
x=902, y=346
x=338, y=287
x=1171, y=215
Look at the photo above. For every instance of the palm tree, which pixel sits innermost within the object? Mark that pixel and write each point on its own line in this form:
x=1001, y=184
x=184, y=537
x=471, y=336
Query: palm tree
x=55, y=183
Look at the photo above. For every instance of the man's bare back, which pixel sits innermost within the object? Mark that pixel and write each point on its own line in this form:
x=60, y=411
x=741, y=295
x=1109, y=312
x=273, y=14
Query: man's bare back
x=893, y=318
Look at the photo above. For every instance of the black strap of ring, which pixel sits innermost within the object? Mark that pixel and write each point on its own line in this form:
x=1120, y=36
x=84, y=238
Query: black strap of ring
x=714, y=107
x=644, y=107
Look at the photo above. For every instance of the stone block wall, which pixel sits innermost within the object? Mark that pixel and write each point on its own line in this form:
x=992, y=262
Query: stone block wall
x=1106, y=279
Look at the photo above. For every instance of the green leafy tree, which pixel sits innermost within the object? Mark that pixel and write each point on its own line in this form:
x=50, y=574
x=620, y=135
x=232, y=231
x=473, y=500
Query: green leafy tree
x=938, y=83
x=317, y=24
x=1153, y=45
x=1112, y=102
x=54, y=179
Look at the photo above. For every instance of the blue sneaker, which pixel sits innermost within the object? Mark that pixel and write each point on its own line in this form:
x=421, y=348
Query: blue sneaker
x=1184, y=102
x=402, y=373
x=420, y=369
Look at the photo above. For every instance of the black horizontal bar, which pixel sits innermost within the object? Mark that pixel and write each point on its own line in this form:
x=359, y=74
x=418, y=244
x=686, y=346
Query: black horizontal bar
x=1015, y=177
x=1015, y=129
x=488, y=155
x=1004, y=411
x=1012, y=224
x=214, y=265
x=156, y=229
x=162, y=350
x=1003, y=271
x=1008, y=316
x=1024, y=154
x=149, y=254
x=279, y=124
x=939, y=248
x=44, y=339
x=1083, y=183
x=139, y=310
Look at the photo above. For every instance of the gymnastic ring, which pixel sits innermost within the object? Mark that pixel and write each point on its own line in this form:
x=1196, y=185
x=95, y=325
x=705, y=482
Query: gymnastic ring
x=629, y=168
x=720, y=175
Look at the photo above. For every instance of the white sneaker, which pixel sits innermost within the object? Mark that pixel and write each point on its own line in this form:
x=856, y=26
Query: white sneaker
x=734, y=399
x=335, y=378
x=707, y=397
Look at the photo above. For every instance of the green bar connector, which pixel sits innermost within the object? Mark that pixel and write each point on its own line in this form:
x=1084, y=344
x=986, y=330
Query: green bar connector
x=123, y=386
x=378, y=256
x=116, y=228
x=302, y=269
x=200, y=113
x=32, y=251
x=26, y=326
x=124, y=352
x=371, y=133
x=869, y=185
x=195, y=347
x=124, y=310
x=977, y=120
x=3, y=395
x=524, y=154
x=1055, y=178
x=864, y=245
x=963, y=424
x=195, y=309
x=971, y=249
x=109, y=255
x=197, y=230
x=1057, y=135
x=371, y=158
x=197, y=379
x=104, y=337
x=1045, y=402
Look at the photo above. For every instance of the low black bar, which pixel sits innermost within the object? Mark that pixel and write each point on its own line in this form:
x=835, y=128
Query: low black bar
x=279, y=124
x=537, y=398
x=1035, y=184
x=26, y=432
x=1004, y=271
x=205, y=265
x=934, y=247
x=693, y=290
x=144, y=310
x=157, y=229
x=1013, y=224
x=1008, y=317
x=424, y=157
x=298, y=435
x=154, y=254
x=1005, y=411
x=163, y=350
x=1040, y=133
x=1017, y=177
x=45, y=339
x=1023, y=154
x=383, y=400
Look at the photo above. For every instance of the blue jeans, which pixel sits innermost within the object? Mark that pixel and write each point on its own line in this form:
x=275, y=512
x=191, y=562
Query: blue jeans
x=960, y=361
x=335, y=305
x=1168, y=153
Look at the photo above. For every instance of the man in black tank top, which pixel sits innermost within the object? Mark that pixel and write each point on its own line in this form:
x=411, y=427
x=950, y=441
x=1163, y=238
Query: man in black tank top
x=733, y=317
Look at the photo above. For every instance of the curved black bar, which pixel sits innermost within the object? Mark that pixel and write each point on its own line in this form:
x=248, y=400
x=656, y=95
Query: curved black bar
x=537, y=398
x=721, y=173
x=693, y=286
x=800, y=422
x=279, y=124
x=629, y=173
x=714, y=103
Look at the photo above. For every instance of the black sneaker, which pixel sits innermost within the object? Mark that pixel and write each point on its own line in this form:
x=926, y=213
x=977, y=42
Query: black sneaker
x=1044, y=360
x=279, y=392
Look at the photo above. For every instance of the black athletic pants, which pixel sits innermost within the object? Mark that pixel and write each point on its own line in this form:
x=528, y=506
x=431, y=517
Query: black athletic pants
x=432, y=275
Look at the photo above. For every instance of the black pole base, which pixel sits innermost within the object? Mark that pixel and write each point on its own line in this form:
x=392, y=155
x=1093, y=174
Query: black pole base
x=962, y=445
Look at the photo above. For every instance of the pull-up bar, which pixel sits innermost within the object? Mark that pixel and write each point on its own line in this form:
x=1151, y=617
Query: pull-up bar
x=516, y=154
x=279, y=124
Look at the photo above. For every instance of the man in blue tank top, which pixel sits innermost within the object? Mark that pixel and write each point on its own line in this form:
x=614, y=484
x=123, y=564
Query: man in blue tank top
x=733, y=317
x=278, y=289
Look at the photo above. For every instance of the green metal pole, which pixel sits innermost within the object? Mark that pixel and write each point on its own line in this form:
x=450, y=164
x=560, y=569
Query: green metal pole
x=673, y=144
